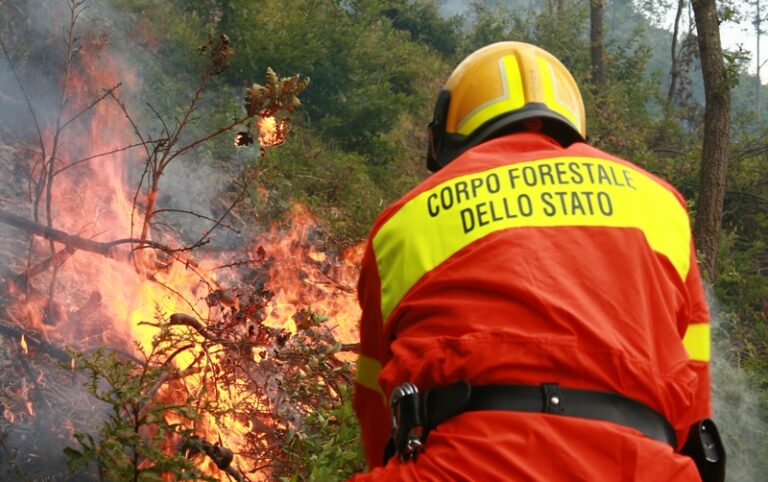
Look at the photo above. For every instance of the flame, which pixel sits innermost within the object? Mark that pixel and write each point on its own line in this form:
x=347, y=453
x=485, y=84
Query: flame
x=139, y=289
x=23, y=345
x=304, y=277
x=8, y=414
x=272, y=132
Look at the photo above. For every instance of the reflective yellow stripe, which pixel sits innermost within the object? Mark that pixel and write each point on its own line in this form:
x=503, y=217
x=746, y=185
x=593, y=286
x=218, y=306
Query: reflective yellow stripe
x=367, y=373
x=511, y=84
x=697, y=341
x=565, y=191
x=552, y=98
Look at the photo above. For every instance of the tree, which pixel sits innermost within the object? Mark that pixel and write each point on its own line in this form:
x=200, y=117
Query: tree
x=715, y=148
x=758, y=23
x=556, y=6
x=673, y=70
x=597, y=43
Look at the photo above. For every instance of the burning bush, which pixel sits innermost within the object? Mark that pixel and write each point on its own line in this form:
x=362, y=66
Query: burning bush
x=276, y=397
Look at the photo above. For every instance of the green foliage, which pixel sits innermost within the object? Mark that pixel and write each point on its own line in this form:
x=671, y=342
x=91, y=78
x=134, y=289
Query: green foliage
x=131, y=444
x=326, y=449
x=423, y=20
x=334, y=183
x=364, y=72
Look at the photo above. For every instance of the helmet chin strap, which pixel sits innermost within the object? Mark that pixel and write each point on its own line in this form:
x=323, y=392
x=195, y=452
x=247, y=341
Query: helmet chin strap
x=436, y=131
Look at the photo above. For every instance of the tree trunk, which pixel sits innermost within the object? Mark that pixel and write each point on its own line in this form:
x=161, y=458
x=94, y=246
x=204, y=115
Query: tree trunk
x=673, y=71
x=560, y=7
x=758, y=62
x=597, y=43
x=556, y=7
x=714, y=156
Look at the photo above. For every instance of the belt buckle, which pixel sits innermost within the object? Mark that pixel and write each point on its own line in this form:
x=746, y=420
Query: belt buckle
x=405, y=409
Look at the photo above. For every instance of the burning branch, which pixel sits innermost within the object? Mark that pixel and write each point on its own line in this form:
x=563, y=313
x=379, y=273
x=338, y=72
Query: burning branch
x=77, y=242
x=30, y=337
x=58, y=258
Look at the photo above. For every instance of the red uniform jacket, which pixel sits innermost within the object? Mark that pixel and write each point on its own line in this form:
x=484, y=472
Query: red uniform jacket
x=523, y=262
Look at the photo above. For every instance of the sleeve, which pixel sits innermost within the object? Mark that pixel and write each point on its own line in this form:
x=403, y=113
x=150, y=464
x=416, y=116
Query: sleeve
x=697, y=342
x=370, y=402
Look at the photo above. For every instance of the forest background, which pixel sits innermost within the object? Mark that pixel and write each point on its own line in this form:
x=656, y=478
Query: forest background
x=358, y=141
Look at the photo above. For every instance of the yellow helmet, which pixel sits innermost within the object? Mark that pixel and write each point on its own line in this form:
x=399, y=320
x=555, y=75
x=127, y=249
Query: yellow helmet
x=497, y=87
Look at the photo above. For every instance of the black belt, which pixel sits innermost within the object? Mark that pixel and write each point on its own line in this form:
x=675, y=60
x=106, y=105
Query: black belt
x=415, y=414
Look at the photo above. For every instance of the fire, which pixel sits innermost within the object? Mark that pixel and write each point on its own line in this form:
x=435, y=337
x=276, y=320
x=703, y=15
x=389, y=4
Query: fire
x=136, y=293
x=23, y=345
x=272, y=132
x=305, y=277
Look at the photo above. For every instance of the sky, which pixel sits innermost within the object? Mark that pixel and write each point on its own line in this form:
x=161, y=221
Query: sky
x=733, y=34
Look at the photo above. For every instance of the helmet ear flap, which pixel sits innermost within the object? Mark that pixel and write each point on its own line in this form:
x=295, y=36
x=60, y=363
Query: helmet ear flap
x=436, y=131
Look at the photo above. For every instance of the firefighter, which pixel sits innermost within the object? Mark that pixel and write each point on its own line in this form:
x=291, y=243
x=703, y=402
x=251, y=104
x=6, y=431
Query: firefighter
x=533, y=311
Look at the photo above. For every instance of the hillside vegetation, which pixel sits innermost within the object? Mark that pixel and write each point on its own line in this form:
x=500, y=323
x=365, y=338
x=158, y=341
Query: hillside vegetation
x=358, y=141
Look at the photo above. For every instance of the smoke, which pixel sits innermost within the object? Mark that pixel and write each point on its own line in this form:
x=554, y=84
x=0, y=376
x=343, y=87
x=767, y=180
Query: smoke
x=124, y=48
x=737, y=407
x=26, y=30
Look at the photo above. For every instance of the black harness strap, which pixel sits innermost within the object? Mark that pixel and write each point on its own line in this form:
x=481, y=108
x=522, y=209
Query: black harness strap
x=571, y=402
x=438, y=405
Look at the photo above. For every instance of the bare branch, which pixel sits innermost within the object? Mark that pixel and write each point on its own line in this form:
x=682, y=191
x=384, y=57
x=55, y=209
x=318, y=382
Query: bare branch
x=101, y=154
x=56, y=259
x=192, y=213
x=182, y=319
x=246, y=183
x=91, y=105
x=26, y=97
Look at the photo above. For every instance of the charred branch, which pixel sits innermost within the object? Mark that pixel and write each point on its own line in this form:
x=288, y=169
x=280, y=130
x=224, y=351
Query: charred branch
x=182, y=319
x=55, y=234
x=220, y=455
x=57, y=259
x=77, y=242
x=353, y=347
x=32, y=339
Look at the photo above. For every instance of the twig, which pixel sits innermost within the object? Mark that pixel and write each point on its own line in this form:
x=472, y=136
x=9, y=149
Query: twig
x=192, y=213
x=101, y=154
x=353, y=347
x=26, y=97
x=220, y=455
x=246, y=183
x=238, y=263
x=91, y=105
x=182, y=319
x=12, y=460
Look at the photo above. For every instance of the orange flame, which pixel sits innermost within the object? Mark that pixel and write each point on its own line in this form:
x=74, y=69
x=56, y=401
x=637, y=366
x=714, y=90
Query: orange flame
x=272, y=132
x=23, y=344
